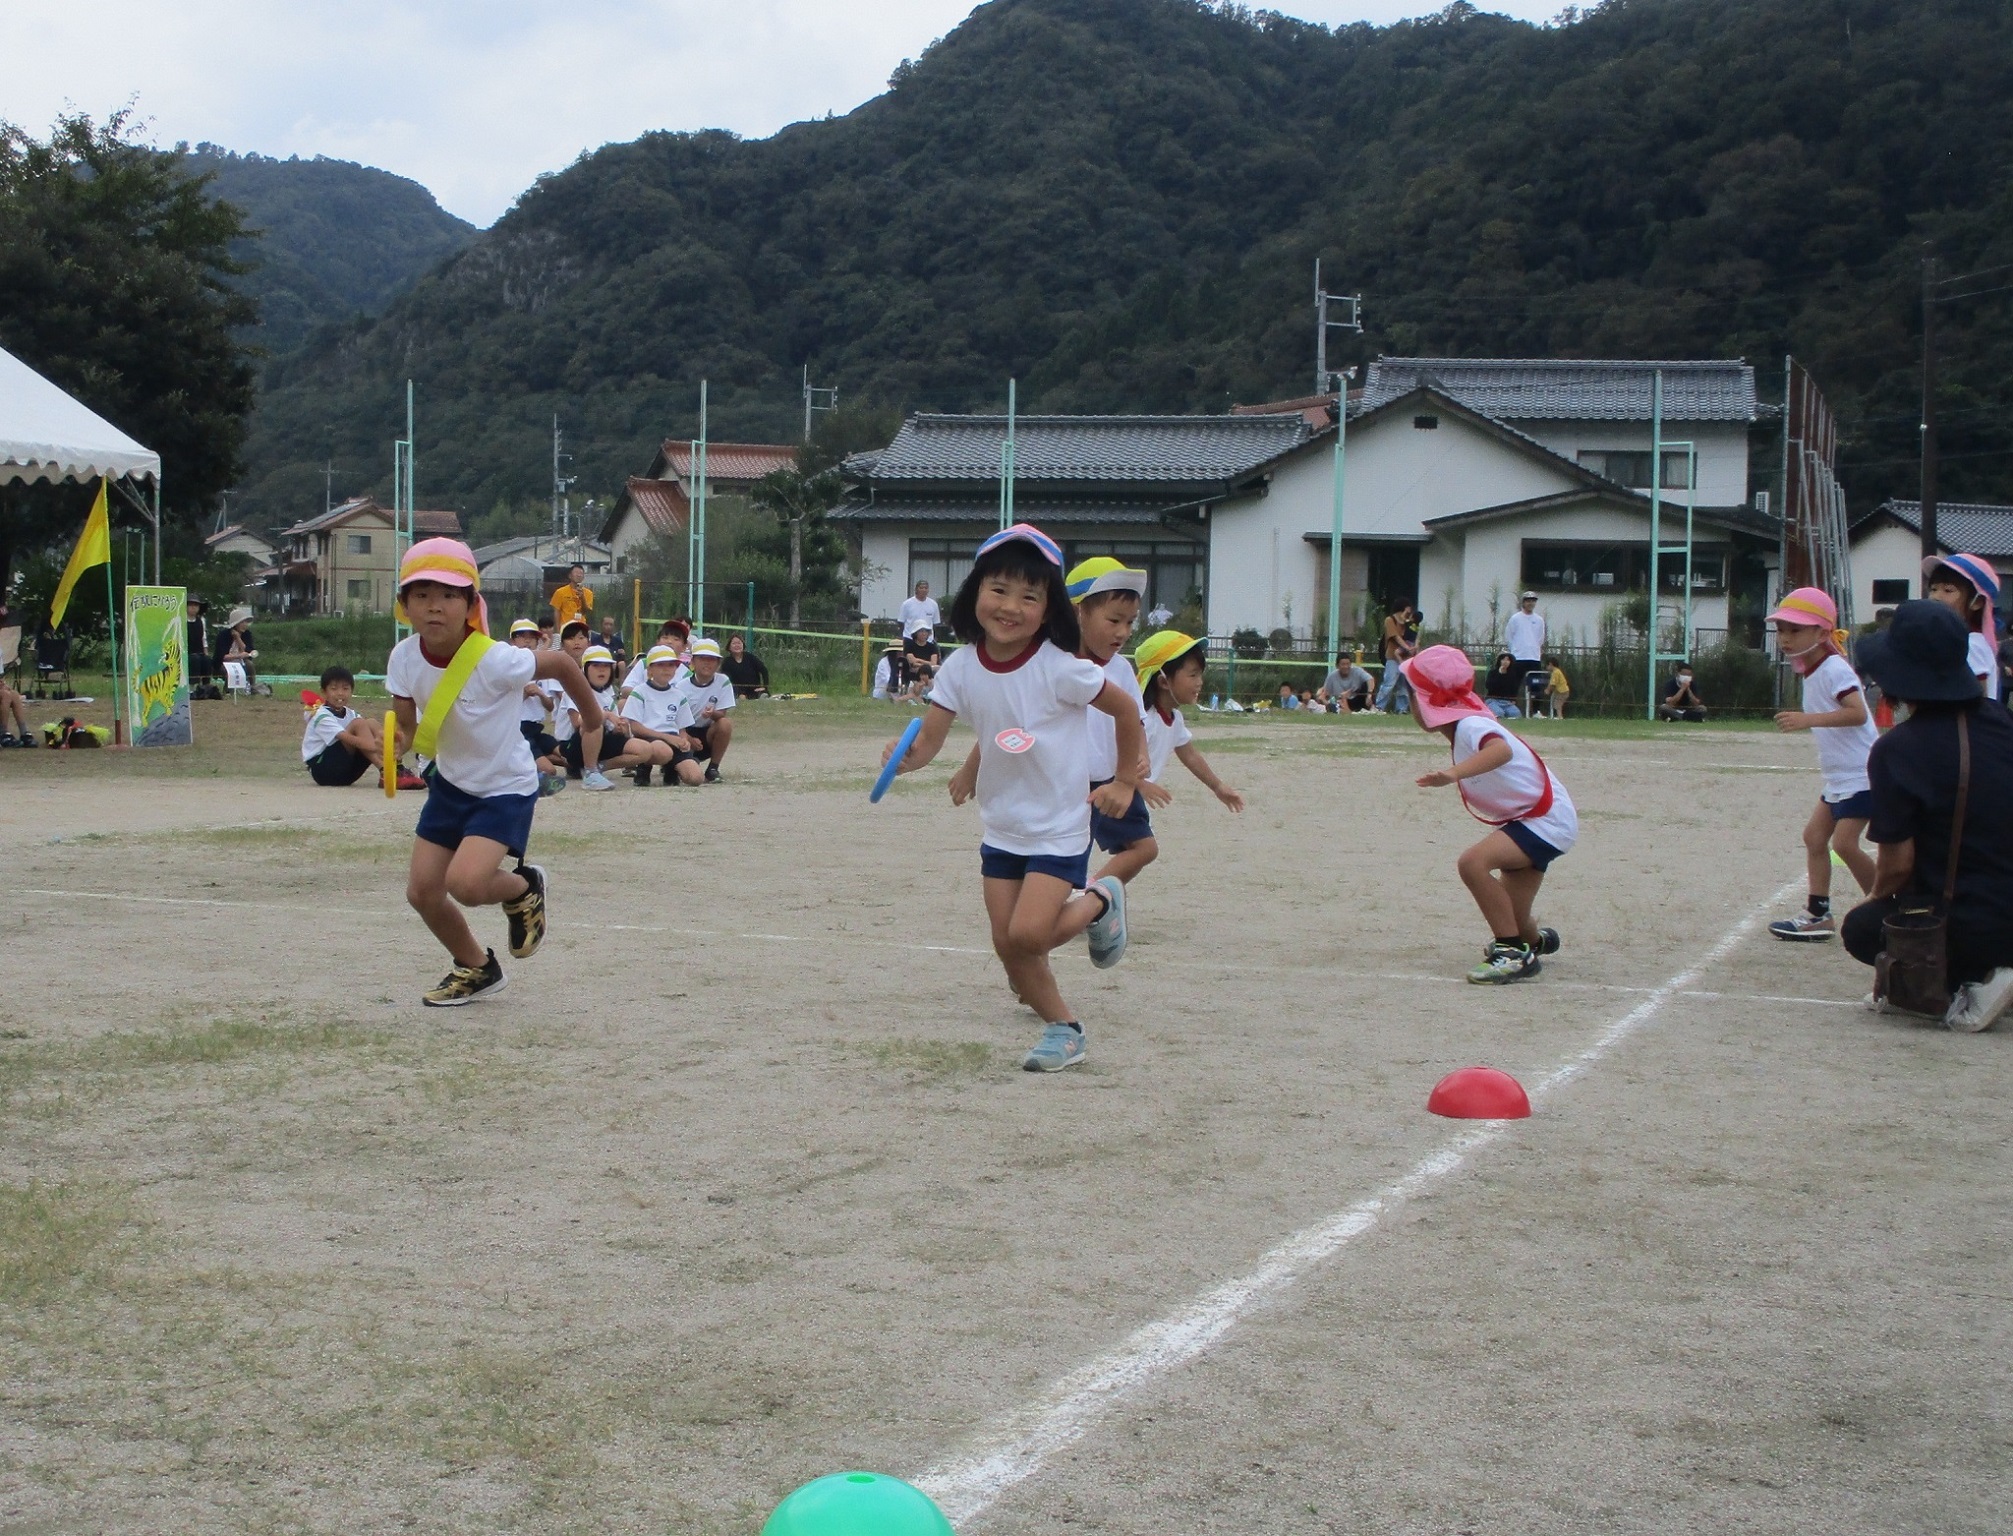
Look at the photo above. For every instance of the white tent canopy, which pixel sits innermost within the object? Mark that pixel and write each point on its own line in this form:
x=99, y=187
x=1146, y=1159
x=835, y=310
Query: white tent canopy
x=46, y=434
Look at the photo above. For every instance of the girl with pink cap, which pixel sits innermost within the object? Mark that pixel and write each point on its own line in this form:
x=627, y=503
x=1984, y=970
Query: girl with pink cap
x=1834, y=712
x=1505, y=785
x=1969, y=585
x=456, y=694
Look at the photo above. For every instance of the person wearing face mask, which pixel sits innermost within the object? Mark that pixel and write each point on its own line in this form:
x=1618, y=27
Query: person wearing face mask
x=1835, y=713
x=1681, y=700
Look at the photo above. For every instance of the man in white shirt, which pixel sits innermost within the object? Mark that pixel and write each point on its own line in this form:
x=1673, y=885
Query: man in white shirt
x=1524, y=639
x=920, y=612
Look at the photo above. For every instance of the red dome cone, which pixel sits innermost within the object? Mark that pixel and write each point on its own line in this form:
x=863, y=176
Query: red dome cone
x=1479, y=1093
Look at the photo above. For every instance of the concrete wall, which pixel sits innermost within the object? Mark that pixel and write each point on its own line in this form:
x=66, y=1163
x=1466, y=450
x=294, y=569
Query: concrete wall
x=1722, y=450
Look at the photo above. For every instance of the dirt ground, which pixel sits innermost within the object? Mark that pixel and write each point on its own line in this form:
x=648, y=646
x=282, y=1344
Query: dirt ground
x=740, y=1183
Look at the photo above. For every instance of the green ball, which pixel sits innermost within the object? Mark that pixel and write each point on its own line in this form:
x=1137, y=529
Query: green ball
x=857, y=1504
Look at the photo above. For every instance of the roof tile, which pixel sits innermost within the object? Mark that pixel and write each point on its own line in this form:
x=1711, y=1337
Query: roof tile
x=1601, y=389
x=1973, y=527
x=1171, y=449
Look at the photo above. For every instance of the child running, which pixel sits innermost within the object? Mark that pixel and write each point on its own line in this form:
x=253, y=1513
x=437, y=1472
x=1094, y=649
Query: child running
x=456, y=694
x=1834, y=712
x=1970, y=586
x=1506, y=785
x=1021, y=686
x=1171, y=667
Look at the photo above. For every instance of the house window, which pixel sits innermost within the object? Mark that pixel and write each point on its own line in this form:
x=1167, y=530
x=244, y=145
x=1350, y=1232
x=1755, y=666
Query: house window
x=1632, y=469
x=359, y=544
x=1174, y=567
x=1425, y=423
x=1890, y=591
x=942, y=565
x=359, y=591
x=1578, y=565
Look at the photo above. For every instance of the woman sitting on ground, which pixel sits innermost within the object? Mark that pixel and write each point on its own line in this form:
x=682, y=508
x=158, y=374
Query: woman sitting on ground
x=745, y=670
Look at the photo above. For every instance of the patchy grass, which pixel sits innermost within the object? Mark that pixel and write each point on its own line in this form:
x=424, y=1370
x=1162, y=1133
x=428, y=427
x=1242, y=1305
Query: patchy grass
x=933, y=1060
x=56, y=1237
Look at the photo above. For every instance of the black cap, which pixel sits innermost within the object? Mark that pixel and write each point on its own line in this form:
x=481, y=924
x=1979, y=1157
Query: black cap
x=1923, y=656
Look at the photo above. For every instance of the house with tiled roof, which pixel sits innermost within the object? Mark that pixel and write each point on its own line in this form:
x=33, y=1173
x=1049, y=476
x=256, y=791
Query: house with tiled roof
x=1447, y=503
x=1137, y=487
x=1887, y=547
x=345, y=559
x=657, y=504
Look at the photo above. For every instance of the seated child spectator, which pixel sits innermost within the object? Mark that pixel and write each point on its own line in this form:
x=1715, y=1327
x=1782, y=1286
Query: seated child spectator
x=1350, y=685
x=1500, y=693
x=573, y=640
x=745, y=670
x=1557, y=689
x=710, y=696
x=338, y=744
x=1681, y=700
x=887, y=673
x=658, y=715
x=676, y=634
x=1288, y=699
x=620, y=752
x=531, y=711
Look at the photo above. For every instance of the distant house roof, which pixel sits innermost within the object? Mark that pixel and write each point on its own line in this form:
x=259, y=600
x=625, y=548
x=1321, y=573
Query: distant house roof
x=544, y=549
x=436, y=522
x=1974, y=527
x=1316, y=410
x=662, y=504
x=1538, y=389
x=236, y=531
x=1741, y=519
x=426, y=522
x=1117, y=450
x=1044, y=511
x=728, y=465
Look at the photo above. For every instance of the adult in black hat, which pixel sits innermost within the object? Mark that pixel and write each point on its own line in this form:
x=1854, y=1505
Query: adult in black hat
x=1922, y=661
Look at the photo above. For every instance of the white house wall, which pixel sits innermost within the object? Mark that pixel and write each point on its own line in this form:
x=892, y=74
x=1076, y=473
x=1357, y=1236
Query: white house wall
x=885, y=548
x=1721, y=445
x=1889, y=553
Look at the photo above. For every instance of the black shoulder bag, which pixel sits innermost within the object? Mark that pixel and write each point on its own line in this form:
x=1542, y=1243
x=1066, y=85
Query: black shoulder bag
x=1913, y=971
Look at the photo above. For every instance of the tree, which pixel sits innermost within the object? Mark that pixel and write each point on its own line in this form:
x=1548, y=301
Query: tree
x=799, y=497
x=114, y=284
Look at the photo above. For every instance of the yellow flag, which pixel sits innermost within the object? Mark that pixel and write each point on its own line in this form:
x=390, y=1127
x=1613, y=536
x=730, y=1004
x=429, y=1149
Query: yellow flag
x=94, y=547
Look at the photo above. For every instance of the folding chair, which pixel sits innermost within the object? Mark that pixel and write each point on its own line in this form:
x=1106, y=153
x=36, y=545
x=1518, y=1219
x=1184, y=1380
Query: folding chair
x=52, y=666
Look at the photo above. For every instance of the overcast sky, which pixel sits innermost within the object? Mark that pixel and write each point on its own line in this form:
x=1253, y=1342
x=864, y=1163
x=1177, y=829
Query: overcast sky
x=473, y=98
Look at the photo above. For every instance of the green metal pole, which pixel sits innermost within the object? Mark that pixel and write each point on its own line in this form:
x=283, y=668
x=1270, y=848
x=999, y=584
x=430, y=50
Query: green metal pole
x=1006, y=460
x=699, y=599
x=1690, y=506
x=1335, y=529
x=112, y=625
x=748, y=638
x=691, y=518
x=1656, y=536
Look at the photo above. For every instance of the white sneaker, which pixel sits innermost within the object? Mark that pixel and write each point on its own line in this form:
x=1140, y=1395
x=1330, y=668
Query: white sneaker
x=1977, y=1005
x=594, y=778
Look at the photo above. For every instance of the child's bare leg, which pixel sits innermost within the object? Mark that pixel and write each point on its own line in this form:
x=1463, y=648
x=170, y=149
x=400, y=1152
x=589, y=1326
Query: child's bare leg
x=719, y=737
x=1845, y=838
x=427, y=893
x=475, y=879
x=1477, y=868
x=1128, y=862
x=1817, y=851
x=1522, y=884
x=365, y=736
x=1029, y=918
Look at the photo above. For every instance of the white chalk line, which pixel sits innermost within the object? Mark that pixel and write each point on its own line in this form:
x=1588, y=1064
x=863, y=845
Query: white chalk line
x=862, y=941
x=1020, y=1445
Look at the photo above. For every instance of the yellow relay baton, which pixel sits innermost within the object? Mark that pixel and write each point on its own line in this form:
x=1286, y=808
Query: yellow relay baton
x=388, y=770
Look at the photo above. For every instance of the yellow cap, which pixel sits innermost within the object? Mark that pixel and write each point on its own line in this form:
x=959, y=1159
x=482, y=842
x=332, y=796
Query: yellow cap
x=661, y=653
x=1157, y=651
x=523, y=627
x=706, y=648
x=1101, y=573
x=597, y=653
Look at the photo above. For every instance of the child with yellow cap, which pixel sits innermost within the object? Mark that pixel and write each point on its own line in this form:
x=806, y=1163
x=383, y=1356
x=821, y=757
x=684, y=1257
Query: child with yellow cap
x=1171, y=667
x=456, y=694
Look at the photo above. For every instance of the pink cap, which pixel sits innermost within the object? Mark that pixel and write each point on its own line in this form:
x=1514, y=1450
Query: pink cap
x=451, y=563
x=1443, y=685
x=1805, y=605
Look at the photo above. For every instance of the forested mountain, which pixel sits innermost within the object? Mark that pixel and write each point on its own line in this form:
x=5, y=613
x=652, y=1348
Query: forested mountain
x=339, y=239
x=1119, y=202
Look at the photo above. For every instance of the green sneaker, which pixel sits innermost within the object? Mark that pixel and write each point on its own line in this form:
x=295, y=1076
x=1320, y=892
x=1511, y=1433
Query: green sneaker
x=1506, y=962
x=1061, y=1045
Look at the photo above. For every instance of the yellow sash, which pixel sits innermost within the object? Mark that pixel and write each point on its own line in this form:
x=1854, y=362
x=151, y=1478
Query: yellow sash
x=452, y=681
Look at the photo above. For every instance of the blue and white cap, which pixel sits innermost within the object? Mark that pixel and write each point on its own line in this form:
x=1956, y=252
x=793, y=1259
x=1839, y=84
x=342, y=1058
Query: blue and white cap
x=1051, y=551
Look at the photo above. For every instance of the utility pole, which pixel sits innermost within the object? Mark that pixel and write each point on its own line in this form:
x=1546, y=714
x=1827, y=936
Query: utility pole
x=328, y=486
x=1351, y=310
x=1930, y=548
x=817, y=397
x=562, y=510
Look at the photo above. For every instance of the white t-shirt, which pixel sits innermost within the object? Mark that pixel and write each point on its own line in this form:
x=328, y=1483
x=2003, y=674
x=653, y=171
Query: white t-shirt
x=884, y=677
x=1841, y=749
x=1510, y=792
x=920, y=613
x=481, y=750
x=1984, y=658
x=324, y=725
x=1524, y=635
x=639, y=673
x=718, y=694
x=1164, y=734
x=661, y=709
x=1034, y=743
x=532, y=708
x=1104, y=729
x=561, y=706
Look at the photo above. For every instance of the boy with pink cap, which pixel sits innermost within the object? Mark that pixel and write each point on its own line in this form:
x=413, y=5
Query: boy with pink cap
x=456, y=694
x=1834, y=712
x=1505, y=785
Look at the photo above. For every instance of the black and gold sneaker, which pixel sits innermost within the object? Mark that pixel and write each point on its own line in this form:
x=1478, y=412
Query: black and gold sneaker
x=527, y=914
x=465, y=983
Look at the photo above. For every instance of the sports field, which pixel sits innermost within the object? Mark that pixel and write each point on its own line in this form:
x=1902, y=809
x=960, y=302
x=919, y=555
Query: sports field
x=739, y=1182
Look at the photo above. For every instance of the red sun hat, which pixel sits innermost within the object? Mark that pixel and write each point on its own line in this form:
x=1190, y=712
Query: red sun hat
x=1443, y=685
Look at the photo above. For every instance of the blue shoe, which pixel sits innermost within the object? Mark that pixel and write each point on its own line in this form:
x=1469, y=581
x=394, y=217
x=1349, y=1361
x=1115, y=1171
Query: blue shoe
x=594, y=778
x=1061, y=1045
x=1107, y=934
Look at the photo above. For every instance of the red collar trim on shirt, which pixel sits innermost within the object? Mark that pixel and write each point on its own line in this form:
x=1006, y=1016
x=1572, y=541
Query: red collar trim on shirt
x=1016, y=664
x=436, y=661
x=1166, y=716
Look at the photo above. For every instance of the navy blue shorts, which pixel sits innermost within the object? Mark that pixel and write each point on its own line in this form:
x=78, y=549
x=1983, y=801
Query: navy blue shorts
x=337, y=766
x=1856, y=807
x=1115, y=834
x=701, y=733
x=1532, y=846
x=451, y=814
x=541, y=741
x=998, y=864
